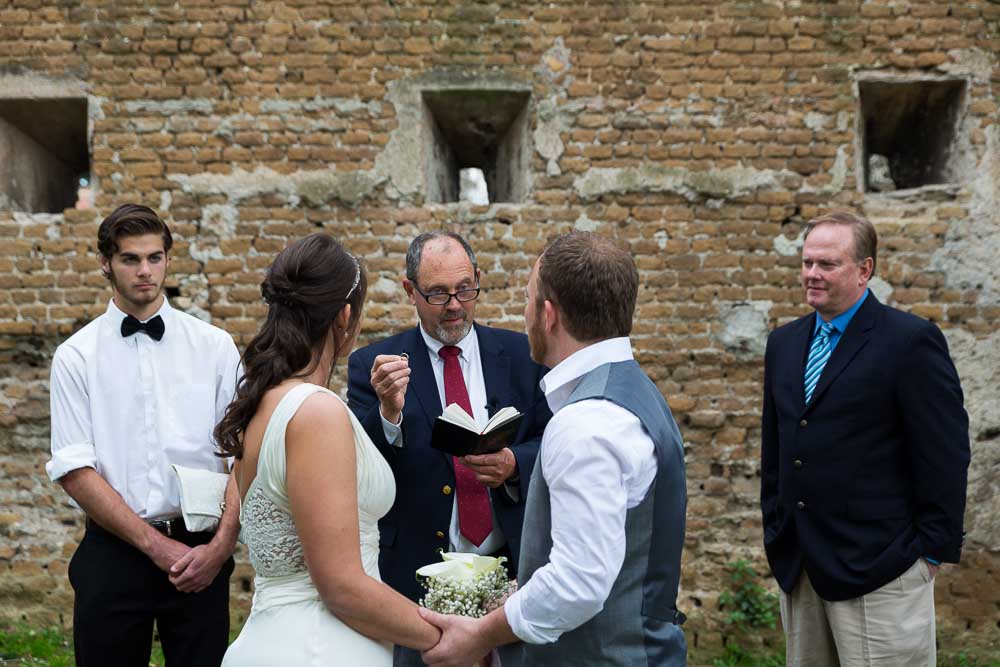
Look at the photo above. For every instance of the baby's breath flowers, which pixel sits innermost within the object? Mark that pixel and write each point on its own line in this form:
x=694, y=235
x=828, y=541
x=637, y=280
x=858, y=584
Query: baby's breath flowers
x=465, y=584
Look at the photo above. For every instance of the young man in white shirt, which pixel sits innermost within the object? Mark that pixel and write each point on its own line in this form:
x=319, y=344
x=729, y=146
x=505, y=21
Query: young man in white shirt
x=136, y=390
x=604, y=522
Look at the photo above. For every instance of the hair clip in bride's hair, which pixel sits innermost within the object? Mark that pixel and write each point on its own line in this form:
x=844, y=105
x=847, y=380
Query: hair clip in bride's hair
x=357, y=276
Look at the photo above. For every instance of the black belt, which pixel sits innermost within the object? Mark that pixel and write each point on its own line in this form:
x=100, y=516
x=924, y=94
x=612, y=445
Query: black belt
x=169, y=527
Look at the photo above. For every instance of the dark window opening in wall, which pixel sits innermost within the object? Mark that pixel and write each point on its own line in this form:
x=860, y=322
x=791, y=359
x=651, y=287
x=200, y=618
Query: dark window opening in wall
x=477, y=129
x=44, y=156
x=909, y=132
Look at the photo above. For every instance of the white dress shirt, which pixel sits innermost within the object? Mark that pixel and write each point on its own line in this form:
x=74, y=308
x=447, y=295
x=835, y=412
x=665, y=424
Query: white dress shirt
x=472, y=371
x=598, y=462
x=131, y=407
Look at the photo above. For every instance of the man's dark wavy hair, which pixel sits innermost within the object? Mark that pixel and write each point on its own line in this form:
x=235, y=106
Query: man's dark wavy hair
x=130, y=220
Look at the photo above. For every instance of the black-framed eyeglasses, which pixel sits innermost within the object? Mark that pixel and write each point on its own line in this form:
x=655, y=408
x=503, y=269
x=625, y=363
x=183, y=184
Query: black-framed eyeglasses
x=442, y=298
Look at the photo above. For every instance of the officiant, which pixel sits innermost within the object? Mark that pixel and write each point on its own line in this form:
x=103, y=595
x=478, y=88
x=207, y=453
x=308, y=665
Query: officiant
x=399, y=386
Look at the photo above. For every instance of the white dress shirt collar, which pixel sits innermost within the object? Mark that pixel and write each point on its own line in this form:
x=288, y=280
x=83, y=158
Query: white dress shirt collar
x=559, y=383
x=117, y=314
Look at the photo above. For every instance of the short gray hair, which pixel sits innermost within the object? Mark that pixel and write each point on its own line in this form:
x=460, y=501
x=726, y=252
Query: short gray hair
x=416, y=249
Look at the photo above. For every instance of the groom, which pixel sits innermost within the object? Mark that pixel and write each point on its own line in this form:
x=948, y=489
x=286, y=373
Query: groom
x=604, y=523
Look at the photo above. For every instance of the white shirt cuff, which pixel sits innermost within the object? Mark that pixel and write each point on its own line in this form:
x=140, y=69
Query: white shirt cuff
x=393, y=433
x=515, y=619
x=69, y=458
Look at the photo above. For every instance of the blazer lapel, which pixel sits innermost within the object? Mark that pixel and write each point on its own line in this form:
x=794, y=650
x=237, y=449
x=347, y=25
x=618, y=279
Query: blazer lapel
x=422, y=384
x=800, y=348
x=496, y=370
x=856, y=337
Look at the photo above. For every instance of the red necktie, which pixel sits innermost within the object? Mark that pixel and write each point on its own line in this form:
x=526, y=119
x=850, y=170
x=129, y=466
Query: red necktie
x=475, y=521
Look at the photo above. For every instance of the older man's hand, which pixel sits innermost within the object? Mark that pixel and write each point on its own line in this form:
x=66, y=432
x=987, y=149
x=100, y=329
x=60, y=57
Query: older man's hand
x=492, y=469
x=390, y=377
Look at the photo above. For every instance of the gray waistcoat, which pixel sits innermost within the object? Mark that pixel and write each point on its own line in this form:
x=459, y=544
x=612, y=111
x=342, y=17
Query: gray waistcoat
x=640, y=624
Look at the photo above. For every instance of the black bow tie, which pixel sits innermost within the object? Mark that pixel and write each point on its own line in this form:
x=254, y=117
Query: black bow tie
x=153, y=328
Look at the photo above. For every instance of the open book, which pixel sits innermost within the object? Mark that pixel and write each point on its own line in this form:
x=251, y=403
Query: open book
x=457, y=433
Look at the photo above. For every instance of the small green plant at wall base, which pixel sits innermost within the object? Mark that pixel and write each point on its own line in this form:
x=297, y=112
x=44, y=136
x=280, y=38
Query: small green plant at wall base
x=737, y=656
x=749, y=605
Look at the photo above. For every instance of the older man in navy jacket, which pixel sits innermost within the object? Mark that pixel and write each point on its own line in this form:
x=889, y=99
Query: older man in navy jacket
x=398, y=387
x=865, y=452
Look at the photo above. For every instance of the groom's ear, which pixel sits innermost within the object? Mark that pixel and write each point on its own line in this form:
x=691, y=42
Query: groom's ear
x=551, y=316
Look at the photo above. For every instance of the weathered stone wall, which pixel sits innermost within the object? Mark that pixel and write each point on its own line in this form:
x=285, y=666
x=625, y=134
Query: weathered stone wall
x=701, y=136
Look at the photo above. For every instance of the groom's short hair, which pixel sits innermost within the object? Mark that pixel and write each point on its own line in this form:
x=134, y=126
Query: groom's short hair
x=593, y=283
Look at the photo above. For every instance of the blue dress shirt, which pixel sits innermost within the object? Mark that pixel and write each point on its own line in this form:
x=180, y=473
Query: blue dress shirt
x=840, y=322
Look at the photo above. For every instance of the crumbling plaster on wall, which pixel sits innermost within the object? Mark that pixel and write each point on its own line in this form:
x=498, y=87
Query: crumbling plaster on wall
x=743, y=328
x=972, y=244
x=313, y=188
x=726, y=183
x=977, y=360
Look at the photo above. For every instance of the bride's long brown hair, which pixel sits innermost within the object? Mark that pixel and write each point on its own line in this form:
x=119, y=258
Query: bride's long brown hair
x=305, y=288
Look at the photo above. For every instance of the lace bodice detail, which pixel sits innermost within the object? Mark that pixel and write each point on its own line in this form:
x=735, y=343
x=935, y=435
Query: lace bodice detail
x=270, y=536
x=268, y=529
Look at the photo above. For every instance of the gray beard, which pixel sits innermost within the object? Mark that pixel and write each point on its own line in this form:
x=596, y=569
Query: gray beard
x=449, y=338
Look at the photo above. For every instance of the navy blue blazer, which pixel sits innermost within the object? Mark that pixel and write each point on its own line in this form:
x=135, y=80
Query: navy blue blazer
x=417, y=525
x=872, y=474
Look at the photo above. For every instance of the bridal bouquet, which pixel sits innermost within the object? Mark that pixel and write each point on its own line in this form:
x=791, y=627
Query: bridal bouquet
x=465, y=584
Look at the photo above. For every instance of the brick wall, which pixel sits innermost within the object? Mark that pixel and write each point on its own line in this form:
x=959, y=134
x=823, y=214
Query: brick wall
x=699, y=136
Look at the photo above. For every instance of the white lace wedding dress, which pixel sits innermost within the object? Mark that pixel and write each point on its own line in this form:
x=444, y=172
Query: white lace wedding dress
x=289, y=624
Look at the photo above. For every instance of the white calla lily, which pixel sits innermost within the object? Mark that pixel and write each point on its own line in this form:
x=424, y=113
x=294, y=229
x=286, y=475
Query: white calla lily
x=460, y=566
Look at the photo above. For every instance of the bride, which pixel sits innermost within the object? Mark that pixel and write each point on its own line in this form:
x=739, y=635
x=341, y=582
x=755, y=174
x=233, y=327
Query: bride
x=313, y=485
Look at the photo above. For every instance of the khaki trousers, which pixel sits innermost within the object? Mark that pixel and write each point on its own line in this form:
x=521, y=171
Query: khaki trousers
x=891, y=626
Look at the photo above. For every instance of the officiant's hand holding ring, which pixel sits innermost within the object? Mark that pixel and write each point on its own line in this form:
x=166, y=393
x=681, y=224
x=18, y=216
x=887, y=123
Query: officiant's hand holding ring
x=390, y=377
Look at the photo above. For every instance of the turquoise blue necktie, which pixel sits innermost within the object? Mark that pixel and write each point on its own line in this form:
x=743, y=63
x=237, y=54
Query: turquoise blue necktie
x=819, y=353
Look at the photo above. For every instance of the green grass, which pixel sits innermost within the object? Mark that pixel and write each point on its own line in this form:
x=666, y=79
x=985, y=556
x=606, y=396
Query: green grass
x=22, y=645
x=737, y=656
x=964, y=659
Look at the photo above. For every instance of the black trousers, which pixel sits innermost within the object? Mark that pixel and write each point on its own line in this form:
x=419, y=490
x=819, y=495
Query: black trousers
x=120, y=593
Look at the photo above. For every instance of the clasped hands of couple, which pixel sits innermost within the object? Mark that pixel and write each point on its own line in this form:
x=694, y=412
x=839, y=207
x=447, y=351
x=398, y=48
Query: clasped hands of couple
x=465, y=641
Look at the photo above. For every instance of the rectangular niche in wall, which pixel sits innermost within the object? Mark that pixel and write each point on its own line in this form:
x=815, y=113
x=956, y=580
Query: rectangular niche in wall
x=908, y=132
x=44, y=156
x=477, y=128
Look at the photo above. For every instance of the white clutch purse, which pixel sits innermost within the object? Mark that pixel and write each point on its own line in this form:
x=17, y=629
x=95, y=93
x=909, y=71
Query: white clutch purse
x=203, y=497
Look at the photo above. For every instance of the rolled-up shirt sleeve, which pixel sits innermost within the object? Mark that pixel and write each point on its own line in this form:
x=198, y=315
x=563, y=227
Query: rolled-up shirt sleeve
x=72, y=436
x=587, y=475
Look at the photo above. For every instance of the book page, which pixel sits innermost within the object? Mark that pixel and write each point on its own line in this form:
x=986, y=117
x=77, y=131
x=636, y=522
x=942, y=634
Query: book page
x=501, y=417
x=454, y=414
